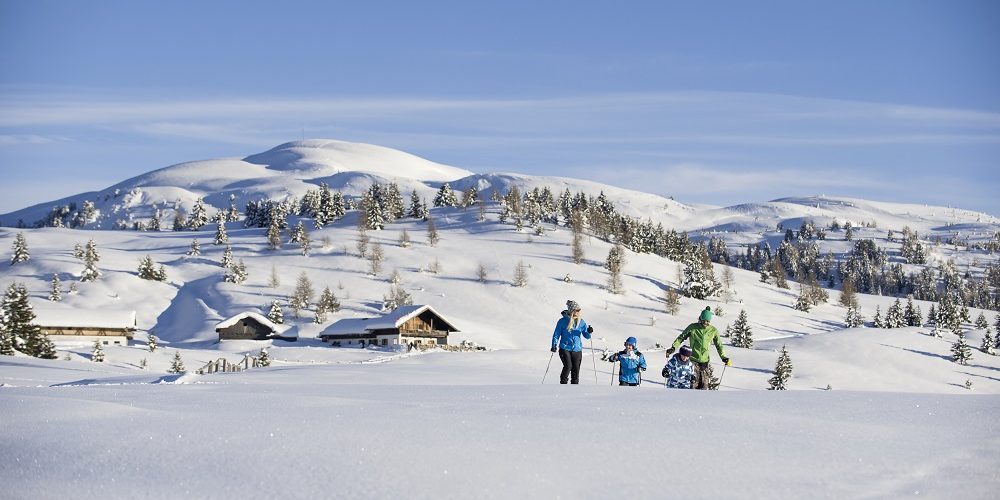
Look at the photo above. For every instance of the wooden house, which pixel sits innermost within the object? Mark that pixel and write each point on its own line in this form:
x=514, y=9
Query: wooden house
x=418, y=325
x=252, y=326
x=84, y=327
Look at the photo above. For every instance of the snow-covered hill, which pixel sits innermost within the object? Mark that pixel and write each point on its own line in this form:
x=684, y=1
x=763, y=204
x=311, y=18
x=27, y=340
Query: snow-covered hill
x=479, y=423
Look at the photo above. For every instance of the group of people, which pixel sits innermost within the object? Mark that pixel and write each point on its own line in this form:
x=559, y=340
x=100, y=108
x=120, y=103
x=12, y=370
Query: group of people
x=688, y=366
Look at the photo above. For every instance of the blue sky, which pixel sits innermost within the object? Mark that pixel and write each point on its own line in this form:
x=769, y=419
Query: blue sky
x=709, y=102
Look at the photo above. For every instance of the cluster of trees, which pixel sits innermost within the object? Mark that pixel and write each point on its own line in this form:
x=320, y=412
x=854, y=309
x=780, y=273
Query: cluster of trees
x=18, y=333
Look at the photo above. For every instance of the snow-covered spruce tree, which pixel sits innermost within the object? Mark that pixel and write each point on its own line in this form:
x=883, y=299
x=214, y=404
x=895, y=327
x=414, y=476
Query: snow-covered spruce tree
x=221, y=237
x=180, y=222
x=264, y=359
x=273, y=235
x=303, y=294
x=469, y=197
x=520, y=275
x=375, y=258
x=18, y=323
x=236, y=273
x=894, y=316
x=305, y=243
x=989, y=344
x=996, y=325
x=199, y=216
x=854, y=318
x=782, y=371
x=778, y=273
x=981, y=322
x=147, y=271
x=445, y=197
x=227, y=257
x=964, y=316
x=432, y=234
x=699, y=279
x=151, y=342
x=961, y=353
x=417, y=209
x=97, y=355
x=393, y=202
x=404, y=239
x=195, y=249
x=20, y=250
x=90, y=260
x=742, y=333
x=55, y=293
x=176, y=364
x=275, y=315
x=672, y=302
x=297, y=232
x=614, y=264
x=329, y=301
x=373, y=211
x=802, y=303
x=397, y=298
x=877, y=321
x=155, y=222
x=912, y=314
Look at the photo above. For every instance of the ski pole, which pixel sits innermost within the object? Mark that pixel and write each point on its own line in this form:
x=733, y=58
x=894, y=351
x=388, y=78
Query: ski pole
x=547, y=366
x=593, y=358
x=613, y=374
x=723, y=374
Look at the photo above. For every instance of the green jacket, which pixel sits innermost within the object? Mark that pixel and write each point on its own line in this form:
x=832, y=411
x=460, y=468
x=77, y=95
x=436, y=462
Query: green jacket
x=701, y=337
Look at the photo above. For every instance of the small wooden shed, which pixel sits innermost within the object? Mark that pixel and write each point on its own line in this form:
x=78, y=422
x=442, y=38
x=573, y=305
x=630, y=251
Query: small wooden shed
x=251, y=326
x=418, y=325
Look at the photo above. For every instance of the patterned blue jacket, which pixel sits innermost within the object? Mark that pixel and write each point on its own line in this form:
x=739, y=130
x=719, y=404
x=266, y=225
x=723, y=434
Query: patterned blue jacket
x=678, y=373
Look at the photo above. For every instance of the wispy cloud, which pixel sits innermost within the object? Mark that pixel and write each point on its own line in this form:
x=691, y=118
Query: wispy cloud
x=18, y=139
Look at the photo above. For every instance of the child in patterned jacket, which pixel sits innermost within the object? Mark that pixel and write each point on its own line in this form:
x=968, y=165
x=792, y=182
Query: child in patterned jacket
x=679, y=371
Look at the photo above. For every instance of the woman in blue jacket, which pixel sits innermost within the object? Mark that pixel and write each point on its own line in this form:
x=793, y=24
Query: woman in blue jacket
x=632, y=361
x=567, y=338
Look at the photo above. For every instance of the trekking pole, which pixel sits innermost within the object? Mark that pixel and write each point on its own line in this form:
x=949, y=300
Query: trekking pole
x=594, y=359
x=723, y=374
x=547, y=367
x=613, y=374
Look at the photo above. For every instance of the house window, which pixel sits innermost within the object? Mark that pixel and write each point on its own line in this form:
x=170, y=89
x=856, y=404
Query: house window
x=105, y=342
x=385, y=341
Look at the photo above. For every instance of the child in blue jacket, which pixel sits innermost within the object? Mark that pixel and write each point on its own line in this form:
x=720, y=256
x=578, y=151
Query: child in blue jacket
x=679, y=371
x=632, y=362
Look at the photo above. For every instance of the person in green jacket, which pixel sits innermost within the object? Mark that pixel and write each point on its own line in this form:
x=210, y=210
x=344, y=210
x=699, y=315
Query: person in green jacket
x=701, y=334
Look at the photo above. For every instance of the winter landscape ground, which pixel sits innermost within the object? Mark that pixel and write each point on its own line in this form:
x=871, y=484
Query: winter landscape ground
x=868, y=411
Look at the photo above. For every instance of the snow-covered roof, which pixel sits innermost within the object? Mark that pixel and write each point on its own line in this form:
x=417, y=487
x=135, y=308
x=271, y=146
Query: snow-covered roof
x=84, y=318
x=394, y=319
x=260, y=318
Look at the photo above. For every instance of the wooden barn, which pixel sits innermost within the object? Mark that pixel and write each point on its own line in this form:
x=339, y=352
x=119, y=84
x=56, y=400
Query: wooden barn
x=83, y=327
x=418, y=325
x=251, y=326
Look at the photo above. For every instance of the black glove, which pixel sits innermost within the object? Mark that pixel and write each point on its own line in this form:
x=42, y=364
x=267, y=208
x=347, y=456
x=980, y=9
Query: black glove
x=590, y=329
x=665, y=372
x=670, y=351
x=553, y=349
x=725, y=361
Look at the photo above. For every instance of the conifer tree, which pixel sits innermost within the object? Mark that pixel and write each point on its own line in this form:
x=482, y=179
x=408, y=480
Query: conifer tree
x=432, y=234
x=742, y=335
x=227, y=257
x=221, y=237
x=397, y=298
x=877, y=321
x=961, y=353
x=802, y=303
x=912, y=314
x=520, y=275
x=989, y=344
x=614, y=264
x=303, y=294
x=778, y=273
x=577, y=224
x=981, y=322
x=848, y=295
x=263, y=359
x=329, y=301
x=179, y=221
x=20, y=250
x=176, y=365
x=236, y=273
x=305, y=243
x=699, y=279
x=417, y=209
x=97, y=355
x=782, y=371
x=854, y=318
x=894, y=316
x=195, y=249
x=199, y=216
x=672, y=303
x=273, y=235
x=151, y=342
x=275, y=314
x=90, y=260
x=445, y=197
x=147, y=271
x=55, y=295
x=18, y=322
